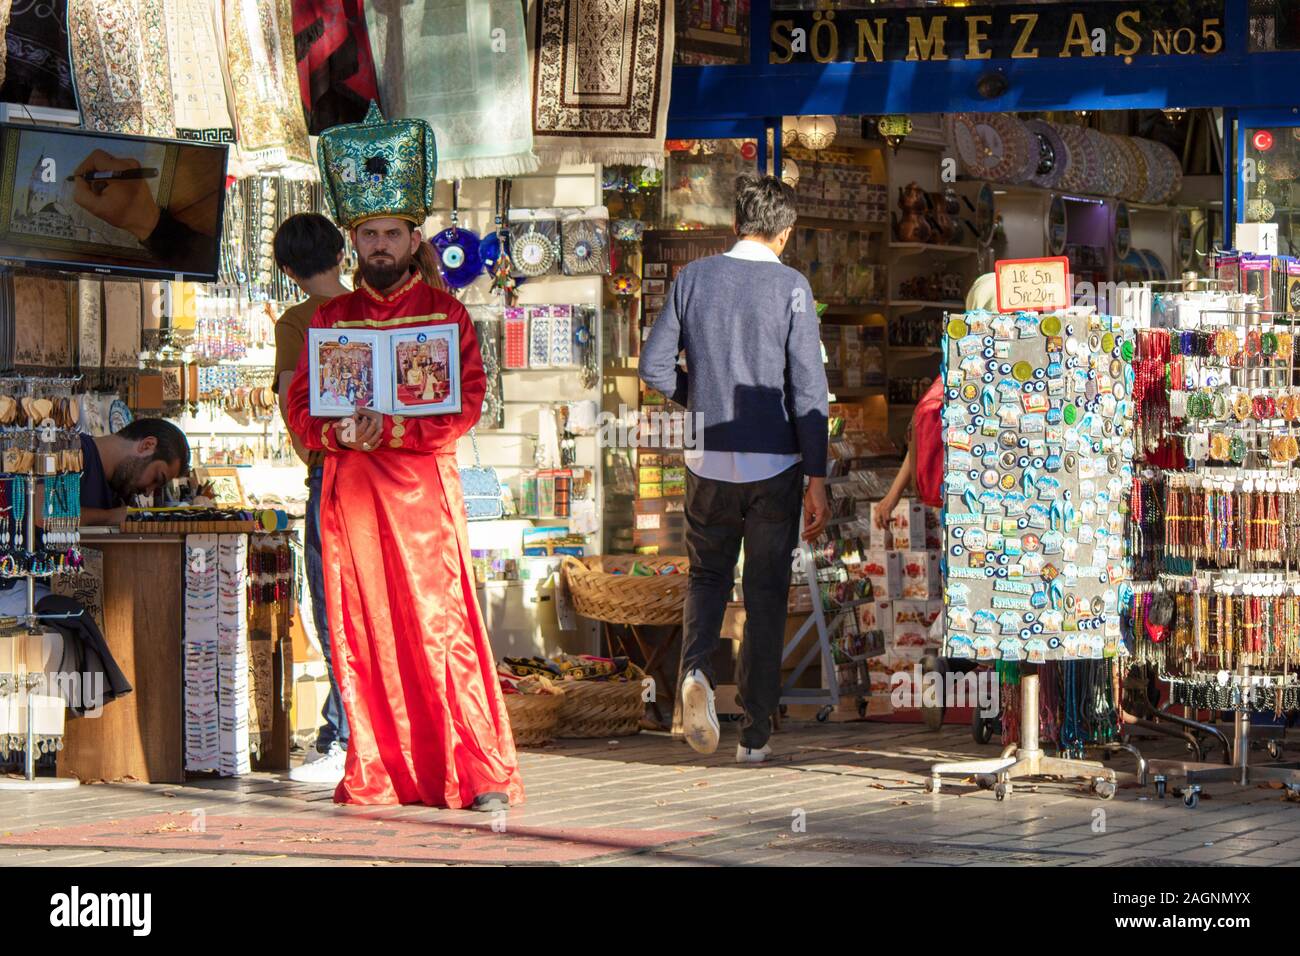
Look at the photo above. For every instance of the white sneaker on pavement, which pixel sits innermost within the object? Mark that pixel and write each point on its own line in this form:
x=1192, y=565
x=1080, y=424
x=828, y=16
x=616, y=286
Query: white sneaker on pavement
x=326, y=770
x=700, y=715
x=750, y=755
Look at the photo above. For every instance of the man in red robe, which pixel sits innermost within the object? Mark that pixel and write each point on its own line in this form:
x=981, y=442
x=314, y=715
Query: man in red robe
x=415, y=670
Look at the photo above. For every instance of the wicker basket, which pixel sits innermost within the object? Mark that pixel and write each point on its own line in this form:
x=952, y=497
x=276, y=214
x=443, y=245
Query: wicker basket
x=596, y=708
x=627, y=598
x=533, y=717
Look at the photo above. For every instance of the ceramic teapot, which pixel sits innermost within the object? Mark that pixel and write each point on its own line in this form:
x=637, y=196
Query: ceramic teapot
x=913, y=203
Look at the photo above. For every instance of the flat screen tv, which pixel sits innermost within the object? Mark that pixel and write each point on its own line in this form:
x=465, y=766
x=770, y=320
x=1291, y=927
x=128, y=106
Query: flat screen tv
x=83, y=201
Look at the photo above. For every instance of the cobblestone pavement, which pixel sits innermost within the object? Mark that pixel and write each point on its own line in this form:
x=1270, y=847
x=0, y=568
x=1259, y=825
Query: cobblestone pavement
x=837, y=793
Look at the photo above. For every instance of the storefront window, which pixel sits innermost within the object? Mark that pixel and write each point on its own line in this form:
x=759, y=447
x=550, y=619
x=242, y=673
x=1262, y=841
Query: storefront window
x=1269, y=169
x=712, y=32
x=1274, y=25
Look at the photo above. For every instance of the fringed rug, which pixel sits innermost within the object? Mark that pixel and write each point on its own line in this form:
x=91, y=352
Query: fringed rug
x=463, y=68
x=601, y=73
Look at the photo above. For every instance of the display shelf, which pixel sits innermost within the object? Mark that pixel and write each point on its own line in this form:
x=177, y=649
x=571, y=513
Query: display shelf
x=915, y=305
x=852, y=309
x=915, y=349
x=858, y=392
x=918, y=248
x=853, y=225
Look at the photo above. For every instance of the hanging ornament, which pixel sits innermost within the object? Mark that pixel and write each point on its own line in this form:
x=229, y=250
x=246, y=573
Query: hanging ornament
x=458, y=249
x=894, y=129
x=816, y=132
x=749, y=151
x=789, y=131
x=789, y=172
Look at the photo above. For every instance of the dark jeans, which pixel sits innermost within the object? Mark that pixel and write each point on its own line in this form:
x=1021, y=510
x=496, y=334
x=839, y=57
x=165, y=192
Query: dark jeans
x=720, y=516
x=336, y=719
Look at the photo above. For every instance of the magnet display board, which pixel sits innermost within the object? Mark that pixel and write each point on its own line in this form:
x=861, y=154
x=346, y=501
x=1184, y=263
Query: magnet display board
x=1038, y=465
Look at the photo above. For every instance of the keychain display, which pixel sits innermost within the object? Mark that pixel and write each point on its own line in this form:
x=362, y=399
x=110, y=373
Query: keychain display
x=585, y=242
x=535, y=241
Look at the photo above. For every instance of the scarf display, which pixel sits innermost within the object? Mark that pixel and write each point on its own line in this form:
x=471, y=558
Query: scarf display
x=90, y=324
x=121, y=324
x=119, y=61
x=336, y=74
x=601, y=75
x=41, y=312
x=201, y=108
x=471, y=84
x=38, y=70
x=263, y=79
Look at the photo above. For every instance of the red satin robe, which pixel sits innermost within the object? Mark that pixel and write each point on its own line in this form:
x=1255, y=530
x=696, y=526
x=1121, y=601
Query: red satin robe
x=414, y=667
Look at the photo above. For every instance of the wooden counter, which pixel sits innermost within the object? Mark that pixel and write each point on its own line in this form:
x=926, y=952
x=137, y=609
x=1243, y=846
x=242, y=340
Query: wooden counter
x=141, y=736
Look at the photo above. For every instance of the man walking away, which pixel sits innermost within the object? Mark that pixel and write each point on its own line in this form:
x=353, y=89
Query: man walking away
x=309, y=250
x=749, y=330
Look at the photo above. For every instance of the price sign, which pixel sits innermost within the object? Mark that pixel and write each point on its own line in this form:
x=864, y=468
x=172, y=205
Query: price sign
x=1033, y=285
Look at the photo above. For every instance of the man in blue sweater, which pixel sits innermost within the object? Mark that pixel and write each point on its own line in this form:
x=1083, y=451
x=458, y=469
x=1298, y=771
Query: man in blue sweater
x=749, y=330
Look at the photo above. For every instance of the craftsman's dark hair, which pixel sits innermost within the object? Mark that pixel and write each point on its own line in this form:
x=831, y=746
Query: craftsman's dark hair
x=172, y=443
x=308, y=244
x=764, y=206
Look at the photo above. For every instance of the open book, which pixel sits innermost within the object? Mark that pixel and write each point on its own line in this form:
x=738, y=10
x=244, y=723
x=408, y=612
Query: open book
x=413, y=371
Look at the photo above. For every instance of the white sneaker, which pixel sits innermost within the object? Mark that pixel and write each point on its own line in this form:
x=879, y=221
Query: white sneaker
x=327, y=770
x=700, y=715
x=749, y=755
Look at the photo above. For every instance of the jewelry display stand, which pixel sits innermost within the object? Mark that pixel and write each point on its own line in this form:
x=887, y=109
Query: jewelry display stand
x=40, y=709
x=1026, y=759
x=1245, y=403
x=30, y=781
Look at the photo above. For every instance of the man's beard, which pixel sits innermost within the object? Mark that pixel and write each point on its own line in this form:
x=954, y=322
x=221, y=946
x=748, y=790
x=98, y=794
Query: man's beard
x=385, y=273
x=125, y=481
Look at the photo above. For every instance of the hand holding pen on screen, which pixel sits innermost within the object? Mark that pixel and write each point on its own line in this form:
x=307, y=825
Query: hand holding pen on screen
x=123, y=202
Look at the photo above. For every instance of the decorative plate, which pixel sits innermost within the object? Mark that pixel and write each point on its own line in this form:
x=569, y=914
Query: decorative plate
x=982, y=147
x=1142, y=182
x=1053, y=154
x=119, y=416
x=1127, y=180
x=1077, y=174
x=1022, y=146
x=1108, y=177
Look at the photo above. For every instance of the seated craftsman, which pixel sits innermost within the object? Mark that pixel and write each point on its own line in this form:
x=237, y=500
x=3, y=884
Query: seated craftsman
x=138, y=460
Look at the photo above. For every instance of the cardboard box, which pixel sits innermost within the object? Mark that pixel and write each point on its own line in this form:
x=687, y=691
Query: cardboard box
x=921, y=578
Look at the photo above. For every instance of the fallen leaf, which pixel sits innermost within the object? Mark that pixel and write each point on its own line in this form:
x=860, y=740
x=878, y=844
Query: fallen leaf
x=877, y=786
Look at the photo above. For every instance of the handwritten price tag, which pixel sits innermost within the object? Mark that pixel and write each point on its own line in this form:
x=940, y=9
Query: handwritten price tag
x=1033, y=285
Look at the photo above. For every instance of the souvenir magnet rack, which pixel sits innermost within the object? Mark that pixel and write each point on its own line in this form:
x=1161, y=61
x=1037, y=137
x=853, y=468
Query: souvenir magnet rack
x=1025, y=759
x=1050, y=377
x=29, y=781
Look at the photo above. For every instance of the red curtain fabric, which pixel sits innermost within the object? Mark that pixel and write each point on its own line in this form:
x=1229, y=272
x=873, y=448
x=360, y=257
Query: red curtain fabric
x=336, y=71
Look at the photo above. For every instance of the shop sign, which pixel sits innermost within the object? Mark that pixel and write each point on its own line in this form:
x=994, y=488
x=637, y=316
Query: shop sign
x=1101, y=28
x=1033, y=285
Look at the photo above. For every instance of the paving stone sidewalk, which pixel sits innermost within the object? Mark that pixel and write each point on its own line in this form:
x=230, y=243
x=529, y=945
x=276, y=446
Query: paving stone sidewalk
x=848, y=793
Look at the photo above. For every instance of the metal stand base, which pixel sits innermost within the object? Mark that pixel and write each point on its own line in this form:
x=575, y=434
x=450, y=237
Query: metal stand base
x=40, y=783
x=1029, y=760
